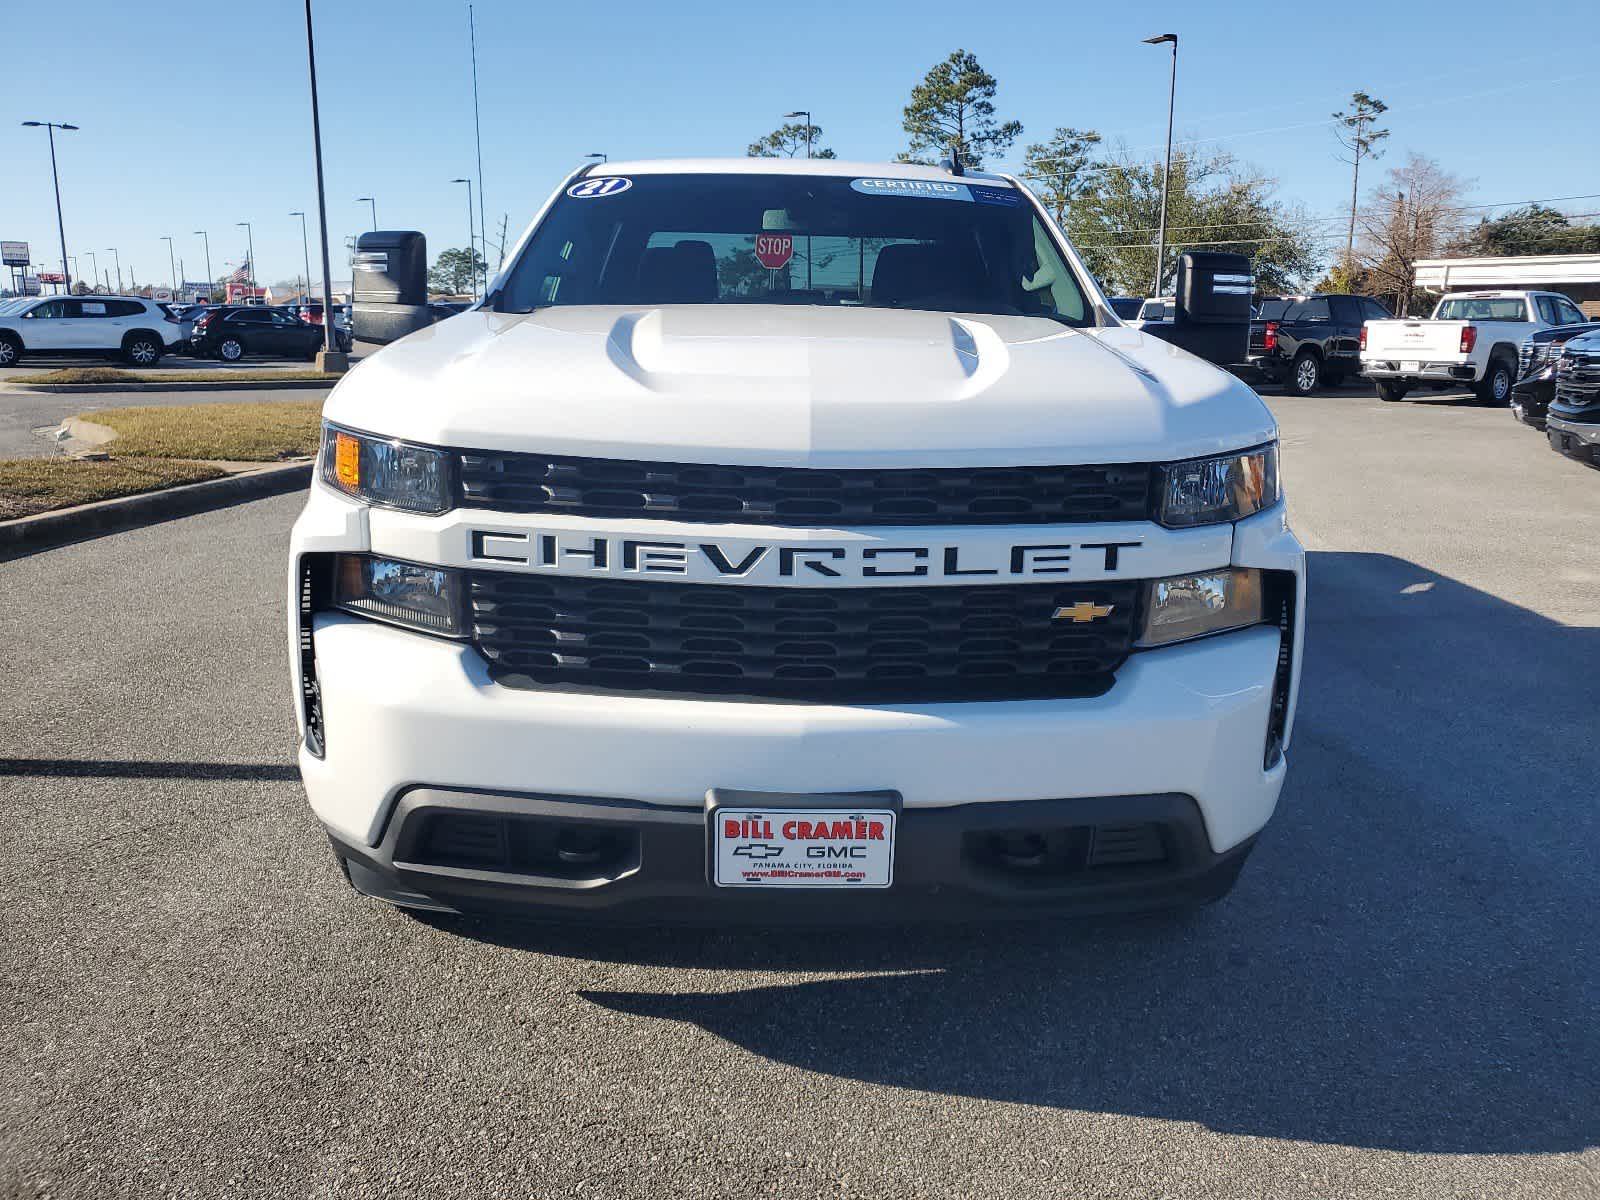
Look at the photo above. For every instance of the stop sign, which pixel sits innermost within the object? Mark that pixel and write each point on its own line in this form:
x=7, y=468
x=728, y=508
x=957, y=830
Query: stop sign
x=774, y=250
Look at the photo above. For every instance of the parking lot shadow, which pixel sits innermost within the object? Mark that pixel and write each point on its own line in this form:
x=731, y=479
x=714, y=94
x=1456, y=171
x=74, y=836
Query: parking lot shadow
x=1408, y=962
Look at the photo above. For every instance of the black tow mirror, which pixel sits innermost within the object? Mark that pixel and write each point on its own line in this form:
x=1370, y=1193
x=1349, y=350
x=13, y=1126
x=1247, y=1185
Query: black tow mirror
x=1211, y=311
x=389, y=285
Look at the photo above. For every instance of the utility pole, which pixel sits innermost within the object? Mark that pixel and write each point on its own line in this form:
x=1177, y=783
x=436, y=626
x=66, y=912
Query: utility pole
x=171, y=265
x=477, y=125
x=472, y=245
x=305, y=253
x=211, y=280
x=50, y=128
x=1166, y=174
x=330, y=360
x=250, y=234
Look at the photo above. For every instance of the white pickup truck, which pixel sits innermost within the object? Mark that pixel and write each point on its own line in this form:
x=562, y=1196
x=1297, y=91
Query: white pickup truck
x=682, y=576
x=1471, y=340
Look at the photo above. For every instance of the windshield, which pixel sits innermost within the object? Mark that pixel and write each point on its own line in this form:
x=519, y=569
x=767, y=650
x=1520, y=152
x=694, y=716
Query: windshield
x=1273, y=310
x=787, y=239
x=1467, y=308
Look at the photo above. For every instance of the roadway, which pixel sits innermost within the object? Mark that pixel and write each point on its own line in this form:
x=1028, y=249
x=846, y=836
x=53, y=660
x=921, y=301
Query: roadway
x=1397, y=1000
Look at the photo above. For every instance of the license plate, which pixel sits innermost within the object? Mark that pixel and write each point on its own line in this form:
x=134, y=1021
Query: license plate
x=803, y=848
x=1411, y=368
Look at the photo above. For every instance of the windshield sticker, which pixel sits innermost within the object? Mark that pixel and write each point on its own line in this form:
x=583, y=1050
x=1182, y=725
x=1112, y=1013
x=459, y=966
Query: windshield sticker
x=996, y=195
x=600, y=185
x=927, y=189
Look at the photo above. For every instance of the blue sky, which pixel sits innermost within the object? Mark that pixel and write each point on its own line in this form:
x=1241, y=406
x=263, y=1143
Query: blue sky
x=201, y=119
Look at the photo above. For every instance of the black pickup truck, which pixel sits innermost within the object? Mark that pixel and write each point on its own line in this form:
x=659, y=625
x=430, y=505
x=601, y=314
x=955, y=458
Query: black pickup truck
x=1302, y=342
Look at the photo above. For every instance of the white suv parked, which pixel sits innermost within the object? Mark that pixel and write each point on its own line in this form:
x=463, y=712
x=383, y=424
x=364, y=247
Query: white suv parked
x=134, y=329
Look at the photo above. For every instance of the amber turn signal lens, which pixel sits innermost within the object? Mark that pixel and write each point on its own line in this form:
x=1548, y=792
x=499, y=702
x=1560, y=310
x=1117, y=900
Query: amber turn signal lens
x=347, y=460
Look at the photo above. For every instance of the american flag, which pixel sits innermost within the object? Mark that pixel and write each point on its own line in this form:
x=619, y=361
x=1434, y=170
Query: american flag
x=242, y=273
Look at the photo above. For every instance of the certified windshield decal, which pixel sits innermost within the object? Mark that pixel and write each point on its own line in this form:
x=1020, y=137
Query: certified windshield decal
x=600, y=185
x=927, y=189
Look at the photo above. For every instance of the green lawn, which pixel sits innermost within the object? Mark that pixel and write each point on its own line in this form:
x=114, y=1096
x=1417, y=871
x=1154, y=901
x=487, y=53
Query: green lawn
x=240, y=432
x=35, y=485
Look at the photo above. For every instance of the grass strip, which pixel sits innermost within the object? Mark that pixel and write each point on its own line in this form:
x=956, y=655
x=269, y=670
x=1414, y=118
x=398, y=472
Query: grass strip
x=220, y=375
x=36, y=485
x=263, y=432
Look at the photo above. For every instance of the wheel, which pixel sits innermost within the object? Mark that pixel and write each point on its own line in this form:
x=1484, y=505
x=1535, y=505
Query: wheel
x=1305, y=373
x=230, y=349
x=1495, y=386
x=1390, y=391
x=142, y=349
x=10, y=350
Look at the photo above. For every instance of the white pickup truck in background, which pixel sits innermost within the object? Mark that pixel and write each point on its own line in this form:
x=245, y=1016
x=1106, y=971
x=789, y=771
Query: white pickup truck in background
x=1471, y=340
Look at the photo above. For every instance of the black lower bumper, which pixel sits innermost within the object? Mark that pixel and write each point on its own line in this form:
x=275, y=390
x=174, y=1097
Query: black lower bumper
x=1530, y=401
x=630, y=863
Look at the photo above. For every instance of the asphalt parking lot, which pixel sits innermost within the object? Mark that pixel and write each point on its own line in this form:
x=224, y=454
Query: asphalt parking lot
x=1397, y=1000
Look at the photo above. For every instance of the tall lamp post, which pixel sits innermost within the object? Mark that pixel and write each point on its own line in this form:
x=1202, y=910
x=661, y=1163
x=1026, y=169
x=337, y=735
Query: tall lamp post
x=806, y=113
x=801, y=112
x=112, y=250
x=305, y=251
x=472, y=251
x=172, y=265
x=330, y=361
x=50, y=128
x=94, y=267
x=1166, y=174
x=250, y=238
x=210, y=278
x=374, y=203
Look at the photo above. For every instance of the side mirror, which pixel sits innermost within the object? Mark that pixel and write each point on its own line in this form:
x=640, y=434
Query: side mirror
x=1211, y=316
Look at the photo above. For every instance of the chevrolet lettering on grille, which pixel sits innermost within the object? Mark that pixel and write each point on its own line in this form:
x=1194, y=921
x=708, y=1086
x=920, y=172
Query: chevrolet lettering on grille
x=565, y=553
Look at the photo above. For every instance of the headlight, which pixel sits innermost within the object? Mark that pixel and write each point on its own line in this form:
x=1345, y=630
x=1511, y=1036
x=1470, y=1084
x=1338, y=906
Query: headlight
x=1208, y=491
x=383, y=471
x=1191, y=606
x=426, y=598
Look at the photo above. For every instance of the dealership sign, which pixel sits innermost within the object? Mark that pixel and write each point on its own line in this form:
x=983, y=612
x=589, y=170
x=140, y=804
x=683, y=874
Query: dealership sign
x=14, y=254
x=51, y=277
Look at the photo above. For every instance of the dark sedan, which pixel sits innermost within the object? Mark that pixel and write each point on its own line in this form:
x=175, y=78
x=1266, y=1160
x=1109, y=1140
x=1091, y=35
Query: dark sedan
x=1536, y=371
x=234, y=331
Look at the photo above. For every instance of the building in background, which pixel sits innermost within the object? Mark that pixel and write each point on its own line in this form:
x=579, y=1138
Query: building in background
x=1576, y=276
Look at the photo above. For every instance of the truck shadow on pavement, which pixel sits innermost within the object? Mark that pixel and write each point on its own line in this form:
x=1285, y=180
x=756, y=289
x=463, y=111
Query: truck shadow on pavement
x=1408, y=962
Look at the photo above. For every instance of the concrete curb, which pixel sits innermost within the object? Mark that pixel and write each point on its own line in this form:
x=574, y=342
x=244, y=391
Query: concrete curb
x=27, y=534
x=243, y=385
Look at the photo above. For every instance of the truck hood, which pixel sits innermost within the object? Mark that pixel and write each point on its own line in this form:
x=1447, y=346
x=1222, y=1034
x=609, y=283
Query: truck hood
x=798, y=386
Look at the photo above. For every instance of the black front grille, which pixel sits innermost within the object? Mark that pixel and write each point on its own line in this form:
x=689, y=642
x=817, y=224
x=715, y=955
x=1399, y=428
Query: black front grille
x=860, y=645
x=1578, y=379
x=607, y=487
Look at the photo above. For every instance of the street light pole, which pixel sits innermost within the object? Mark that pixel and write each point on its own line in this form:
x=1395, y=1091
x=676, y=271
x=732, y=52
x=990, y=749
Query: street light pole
x=210, y=279
x=94, y=266
x=250, y=237
x=477, y=124
x=806, y=113
x=472, y=249
x=172, y=265
x=50, y=128
x=1166, y=174
x=801, y=112
x=374, y=203
x=330, y=361
x=118, y=255
x=305, y=251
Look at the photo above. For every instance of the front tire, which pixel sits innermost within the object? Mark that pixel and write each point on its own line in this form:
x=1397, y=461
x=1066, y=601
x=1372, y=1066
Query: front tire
x=230, y=349
x=1390, y=392
x=1494, y=389
x=10, y=350
x=1305, y=374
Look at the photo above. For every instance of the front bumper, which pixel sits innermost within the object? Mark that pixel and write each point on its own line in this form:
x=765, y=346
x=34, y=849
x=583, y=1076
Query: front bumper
x=1576, y=438
x=406, y=715
x=440, y=851
x=1530, y=401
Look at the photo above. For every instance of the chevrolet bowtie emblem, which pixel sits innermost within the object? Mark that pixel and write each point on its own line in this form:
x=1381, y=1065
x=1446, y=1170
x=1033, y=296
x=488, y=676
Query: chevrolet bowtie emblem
x=1082, y=612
